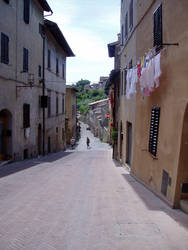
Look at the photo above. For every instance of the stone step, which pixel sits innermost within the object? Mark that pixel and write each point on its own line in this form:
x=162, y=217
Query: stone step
x=184, y=206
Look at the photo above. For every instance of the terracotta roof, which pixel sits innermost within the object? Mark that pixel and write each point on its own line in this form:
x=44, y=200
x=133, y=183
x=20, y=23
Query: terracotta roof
x=58, y=35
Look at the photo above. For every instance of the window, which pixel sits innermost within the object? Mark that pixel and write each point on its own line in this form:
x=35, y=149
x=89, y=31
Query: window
x=49, y=144
x=125, y=80
x=26, y=10
x=131, y=15
x=63, y=104
x=130, y=64
x=126, y=26
x=154, y=130
x=49, y=105
x=122, y=34
x=26, y=115
x=6, y=1
x=49, y=59
x=39, y=71
x=63, y=134
x=57, y=106
x=4, y=48
x=121, y=82
x=25, y=60
x=57, y=66
x=157, y=28
x=63, y=71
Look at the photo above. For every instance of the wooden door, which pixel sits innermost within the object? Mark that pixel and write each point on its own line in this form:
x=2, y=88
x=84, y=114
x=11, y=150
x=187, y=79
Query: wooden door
x=2, y=138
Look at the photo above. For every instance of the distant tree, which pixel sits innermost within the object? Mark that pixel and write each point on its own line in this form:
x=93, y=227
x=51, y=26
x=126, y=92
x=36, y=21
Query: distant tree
x=80, y=84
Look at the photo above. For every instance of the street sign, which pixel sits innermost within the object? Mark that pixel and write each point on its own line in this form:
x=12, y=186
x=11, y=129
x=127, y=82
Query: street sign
x=107, y=116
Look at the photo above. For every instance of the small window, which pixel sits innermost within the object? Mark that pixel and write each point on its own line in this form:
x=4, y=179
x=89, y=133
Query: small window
x=126, y=26
x=154, y=130
x=49, y=144
x=63, y=134
x=122, y=35
x=25, y=60
x=57, y=66
x=57, y=105
x=49, y=59
x=4, y=48
x=26, y=115
x=57, y=130
x=39, y=71
x=157, y=29
x=6, y=1
x=125, y=80
x=122, y=82
x=49, y=106
x=63, y=104
x=26, y=11
x=130, y=64
x=131, y=15
x=63, y=71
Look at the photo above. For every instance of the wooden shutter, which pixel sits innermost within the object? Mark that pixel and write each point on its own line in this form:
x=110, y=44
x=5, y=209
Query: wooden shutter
x=157, y=28
x=126, y=26
x=49, y=59
x=57, y=66
x=122, y=34
x=49, y=106
x=25, y=60
x=4, y=48
x=131, y=15
x=57, y=105
x=154, y=129
x=26, y=11
x=26, y=115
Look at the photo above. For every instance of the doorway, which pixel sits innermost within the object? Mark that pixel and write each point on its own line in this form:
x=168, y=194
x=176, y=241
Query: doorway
x=182, y=176
x=129, y=144
x=5, y=135
x=39, y=138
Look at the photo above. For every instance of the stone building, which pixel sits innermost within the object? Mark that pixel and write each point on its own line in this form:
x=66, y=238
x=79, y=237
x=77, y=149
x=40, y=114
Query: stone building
x=20, y=74
x=98, y=120
x=71, y=117
x=32, y=81
x=56, y=52
x=152, y=121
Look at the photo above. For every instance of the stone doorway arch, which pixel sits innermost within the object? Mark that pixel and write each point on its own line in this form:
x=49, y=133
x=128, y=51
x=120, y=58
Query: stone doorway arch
x=182, y=173
x=5, y=135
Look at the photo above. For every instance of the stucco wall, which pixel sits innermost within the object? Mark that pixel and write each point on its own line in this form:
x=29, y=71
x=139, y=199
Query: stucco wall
x=171, y=97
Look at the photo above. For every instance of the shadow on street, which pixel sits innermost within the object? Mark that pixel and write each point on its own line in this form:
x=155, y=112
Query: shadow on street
x=154, y=204
x=15, y=167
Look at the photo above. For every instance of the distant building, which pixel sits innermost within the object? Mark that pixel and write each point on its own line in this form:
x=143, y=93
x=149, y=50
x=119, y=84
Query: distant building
x=56, y=52
x=102, y=82
x=71, y=118
x=98, y=120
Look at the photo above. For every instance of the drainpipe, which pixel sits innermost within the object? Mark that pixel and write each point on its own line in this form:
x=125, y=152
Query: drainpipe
x=43, y=93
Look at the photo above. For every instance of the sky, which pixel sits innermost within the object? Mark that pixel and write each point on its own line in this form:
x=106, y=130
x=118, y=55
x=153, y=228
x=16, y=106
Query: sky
x=88, y=26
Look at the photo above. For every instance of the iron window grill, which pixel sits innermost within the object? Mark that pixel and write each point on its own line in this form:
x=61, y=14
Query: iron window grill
x=154, y=130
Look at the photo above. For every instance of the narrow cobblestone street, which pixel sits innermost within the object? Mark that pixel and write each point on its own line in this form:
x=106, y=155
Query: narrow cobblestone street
x=81, y=200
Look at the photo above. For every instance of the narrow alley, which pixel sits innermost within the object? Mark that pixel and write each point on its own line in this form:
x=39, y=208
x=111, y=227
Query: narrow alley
x=82, y=200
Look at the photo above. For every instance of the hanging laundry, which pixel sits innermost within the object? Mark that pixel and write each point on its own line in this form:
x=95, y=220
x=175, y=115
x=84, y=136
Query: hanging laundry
x=132, y=79
x=157, y=69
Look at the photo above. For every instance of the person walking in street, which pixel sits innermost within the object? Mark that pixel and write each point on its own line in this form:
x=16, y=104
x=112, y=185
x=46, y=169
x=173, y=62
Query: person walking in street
x=87, y=142
x=72, y=142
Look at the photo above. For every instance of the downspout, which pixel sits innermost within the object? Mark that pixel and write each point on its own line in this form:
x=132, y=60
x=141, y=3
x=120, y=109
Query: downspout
x=43, y=94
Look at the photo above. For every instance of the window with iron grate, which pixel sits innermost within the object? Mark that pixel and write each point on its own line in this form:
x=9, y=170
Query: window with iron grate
x=154, y=130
